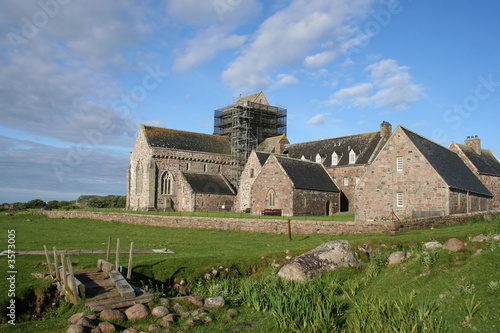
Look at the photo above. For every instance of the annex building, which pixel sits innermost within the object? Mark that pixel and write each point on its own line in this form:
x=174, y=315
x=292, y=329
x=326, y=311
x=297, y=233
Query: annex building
x=248, y=165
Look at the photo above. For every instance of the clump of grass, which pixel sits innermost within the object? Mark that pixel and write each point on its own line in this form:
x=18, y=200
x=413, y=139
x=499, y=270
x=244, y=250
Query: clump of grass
x=375, y=314
x=471, y=309
x=377, y=262
x=466, y=287
x=493, y=286
x=428, y=258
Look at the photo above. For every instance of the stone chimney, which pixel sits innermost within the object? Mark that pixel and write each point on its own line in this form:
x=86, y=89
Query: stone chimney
x=385, y=130
x=475, y=143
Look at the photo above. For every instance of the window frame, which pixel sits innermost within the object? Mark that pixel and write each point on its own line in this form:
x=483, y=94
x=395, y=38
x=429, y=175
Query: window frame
x=399, y=163
x=399, y=200
x=352, y=157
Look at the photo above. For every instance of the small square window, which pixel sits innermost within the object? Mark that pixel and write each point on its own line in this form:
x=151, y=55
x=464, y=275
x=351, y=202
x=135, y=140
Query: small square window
x=188, y=166
x=357, y=180
x=346, y=181
x=252, y=173
x=399, y=199
x=205, y=168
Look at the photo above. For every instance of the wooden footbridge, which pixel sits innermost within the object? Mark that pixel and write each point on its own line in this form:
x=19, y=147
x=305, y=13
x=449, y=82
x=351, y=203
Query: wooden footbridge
x=102, y=288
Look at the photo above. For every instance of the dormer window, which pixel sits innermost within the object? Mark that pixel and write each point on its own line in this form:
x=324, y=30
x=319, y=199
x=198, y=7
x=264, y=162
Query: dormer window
x=335, y=159
x=303, y=158
x=352, y=157
x=318, y=158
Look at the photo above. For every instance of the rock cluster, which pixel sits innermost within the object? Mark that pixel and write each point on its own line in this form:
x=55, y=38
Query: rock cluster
x=163, y=316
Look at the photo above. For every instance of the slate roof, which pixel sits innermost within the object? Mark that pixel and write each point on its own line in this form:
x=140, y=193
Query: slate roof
x=364, y=146
x=486, y=163
x=262, y=157
x=447, y=164
x=158, y=137
x=307, y=175
x=208, y=184
x=269, y=143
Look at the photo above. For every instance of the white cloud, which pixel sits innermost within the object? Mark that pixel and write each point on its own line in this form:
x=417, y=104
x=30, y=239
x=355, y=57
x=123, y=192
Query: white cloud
x=205, y=46
x=318, y=119
x=284, y=79
x=290, y=36
x=391, y=86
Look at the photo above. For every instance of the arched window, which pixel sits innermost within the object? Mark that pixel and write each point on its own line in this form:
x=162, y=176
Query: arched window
x=271, y=199
x=138, y=179
x=167, y=183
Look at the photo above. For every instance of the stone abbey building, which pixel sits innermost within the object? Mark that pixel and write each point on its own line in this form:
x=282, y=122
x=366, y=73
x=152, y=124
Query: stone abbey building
x=249, y=165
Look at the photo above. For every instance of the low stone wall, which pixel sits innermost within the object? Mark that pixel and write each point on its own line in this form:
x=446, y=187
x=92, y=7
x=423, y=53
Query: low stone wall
x=269, y=225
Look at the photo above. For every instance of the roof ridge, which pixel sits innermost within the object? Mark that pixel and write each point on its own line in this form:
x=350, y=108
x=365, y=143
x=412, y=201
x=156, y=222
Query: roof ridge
x=182, y=131
x=335, y=137
x=423, y=137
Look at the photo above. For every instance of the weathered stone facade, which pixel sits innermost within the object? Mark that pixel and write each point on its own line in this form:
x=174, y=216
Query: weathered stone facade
x=335, y=155
x=150, y=166
x=402, y=180
x=274, y=188
x=250, y=172
x=483, y=163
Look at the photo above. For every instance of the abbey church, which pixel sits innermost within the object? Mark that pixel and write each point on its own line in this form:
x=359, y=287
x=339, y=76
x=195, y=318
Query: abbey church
x=248, y=165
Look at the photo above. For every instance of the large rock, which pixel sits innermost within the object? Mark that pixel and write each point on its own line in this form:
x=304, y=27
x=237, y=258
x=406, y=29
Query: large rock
x=326, y=257
x=76, y=317
x=76, y=328
x=160, y=311
x=138, y=311
x=454, y=245
x=397, y=257
x=432, y=245
x=107, y=327
x=215, y=302
x=112, y=315
x=481, y=238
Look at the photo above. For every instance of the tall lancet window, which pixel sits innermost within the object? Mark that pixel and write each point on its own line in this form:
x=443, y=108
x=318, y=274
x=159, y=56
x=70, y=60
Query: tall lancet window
x=167, y=183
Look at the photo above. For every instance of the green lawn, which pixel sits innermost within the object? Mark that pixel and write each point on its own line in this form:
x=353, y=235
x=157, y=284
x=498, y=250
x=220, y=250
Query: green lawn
x=454, y=277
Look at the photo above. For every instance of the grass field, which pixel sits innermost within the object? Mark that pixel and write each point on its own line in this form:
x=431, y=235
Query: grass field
x=450, y=280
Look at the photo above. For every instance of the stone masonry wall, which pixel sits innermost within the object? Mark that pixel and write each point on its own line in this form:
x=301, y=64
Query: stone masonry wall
x=493, y=184
x=272, y=177
x=315, y=202
x=352, y=173
x=272, y=226
x=422, y=188
x=244, y=197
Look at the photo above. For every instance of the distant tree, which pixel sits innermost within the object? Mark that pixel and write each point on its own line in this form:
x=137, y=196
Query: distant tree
x=96, y=203
x=53, y=204
x=36, y=203
x=122, y=201
x=18, y=206
x=64, y=204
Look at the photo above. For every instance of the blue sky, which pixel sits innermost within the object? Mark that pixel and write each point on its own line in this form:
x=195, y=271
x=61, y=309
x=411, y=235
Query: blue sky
x=77, y=78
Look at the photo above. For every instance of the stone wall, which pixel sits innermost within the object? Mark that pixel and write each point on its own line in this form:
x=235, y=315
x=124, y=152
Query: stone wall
x=353, y=173
x=248, y=176
x=493, y=184
x=272, y=226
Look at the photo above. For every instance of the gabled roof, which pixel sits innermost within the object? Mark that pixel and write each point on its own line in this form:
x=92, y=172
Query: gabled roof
x=255, y=98
x=158, y=137
x=208, y=184
x=447, y=164
x=307, y=175
x=269, y=144
x=364, y=145
x=262, y=157
x=486, y=163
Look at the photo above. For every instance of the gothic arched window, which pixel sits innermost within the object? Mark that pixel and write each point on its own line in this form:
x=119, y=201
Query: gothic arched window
x=271, y=199
x=167, y=183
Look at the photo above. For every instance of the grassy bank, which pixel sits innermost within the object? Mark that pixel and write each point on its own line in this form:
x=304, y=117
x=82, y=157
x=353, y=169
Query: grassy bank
x=446, y=281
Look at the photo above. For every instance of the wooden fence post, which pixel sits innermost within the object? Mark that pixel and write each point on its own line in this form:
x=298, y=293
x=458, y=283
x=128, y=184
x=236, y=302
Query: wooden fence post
x=108, y=251
x=58, y=277
x=72, y=279
x=289, y=231
x=117, y=260
x=48, y=260
x=130, y=261
x=64, y=279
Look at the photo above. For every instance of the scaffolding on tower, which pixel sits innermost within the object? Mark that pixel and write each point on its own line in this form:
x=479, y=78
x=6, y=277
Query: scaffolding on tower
x=248, y=123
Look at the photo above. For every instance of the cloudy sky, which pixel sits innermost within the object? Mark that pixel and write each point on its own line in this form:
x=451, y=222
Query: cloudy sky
x=77, y=78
